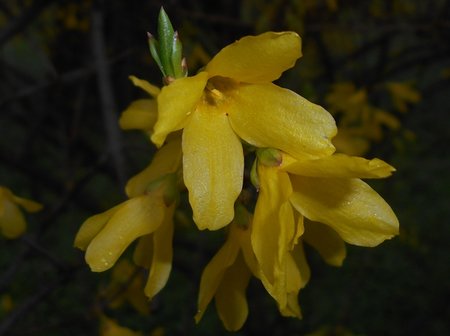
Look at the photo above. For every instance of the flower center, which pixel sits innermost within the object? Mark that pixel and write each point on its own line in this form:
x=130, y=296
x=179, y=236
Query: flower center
x=218, y=89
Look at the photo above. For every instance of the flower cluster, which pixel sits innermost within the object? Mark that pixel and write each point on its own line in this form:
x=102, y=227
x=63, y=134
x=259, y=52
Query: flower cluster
x=207, y=127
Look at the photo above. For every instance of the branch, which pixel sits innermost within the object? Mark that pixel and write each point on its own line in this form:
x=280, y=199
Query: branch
x=107, y=95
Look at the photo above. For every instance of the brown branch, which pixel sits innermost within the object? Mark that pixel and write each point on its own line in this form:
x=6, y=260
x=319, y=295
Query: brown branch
x=107, y=95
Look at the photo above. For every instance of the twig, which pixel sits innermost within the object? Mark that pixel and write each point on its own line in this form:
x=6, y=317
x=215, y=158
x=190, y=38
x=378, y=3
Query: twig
x=106, y=95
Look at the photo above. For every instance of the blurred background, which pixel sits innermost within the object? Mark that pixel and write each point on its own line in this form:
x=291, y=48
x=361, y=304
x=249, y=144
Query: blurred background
x=381, y=67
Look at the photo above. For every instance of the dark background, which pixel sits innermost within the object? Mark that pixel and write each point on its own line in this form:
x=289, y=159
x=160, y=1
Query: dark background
x=63, y=83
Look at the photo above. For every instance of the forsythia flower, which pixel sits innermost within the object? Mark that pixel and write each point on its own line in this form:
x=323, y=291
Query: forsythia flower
x=231, y=100
x=327, y=190
x=12, y=221
x=147, y=215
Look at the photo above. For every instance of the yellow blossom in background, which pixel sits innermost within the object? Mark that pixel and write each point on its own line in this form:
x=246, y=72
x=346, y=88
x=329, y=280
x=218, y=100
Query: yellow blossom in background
x=403, y=94
x=233, y=99
x=109, y=327
x=12, y=220
x=127, y=285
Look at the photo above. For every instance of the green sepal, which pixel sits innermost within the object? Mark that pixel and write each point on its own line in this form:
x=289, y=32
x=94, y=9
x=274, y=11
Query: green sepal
x=176, y=56
x=254, y=178
x=269, y=157
x=154, y=47
x=165, y=35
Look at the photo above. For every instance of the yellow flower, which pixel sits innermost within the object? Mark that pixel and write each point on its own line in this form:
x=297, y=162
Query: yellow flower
x=233, y=99
x=323, y=190
x=12, y=221
x=147, y=215
x=226, y=277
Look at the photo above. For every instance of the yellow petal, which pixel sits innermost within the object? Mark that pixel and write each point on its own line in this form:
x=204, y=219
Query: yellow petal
x=12, y=221
x=275, y=189
x=326, y=241
x=140, y=114
x=175, y=104
x=266, y=115
x=152, y=90
x=92, y=226
x=300, y=259
x=257, y=59
x=352, y=208
x=231, y=302
x=165, y=161
x=28, y=205
x=110, y=327
x=213, y=167
x=292, y=308
x=136, y=217
x=213, y=273
x=162, y=255
x=143, y=253
x=338, y=165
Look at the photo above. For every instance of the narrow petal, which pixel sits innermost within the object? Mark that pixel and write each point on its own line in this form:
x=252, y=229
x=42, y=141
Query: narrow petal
x=257, y=59
x=92, y=226
x=213, y=167
x=275, y=189
x=165, y=161
x=213, y=274
x=292, y=308
x=326, y=241
x=300, y=259
x=162, y=255
x=12, y=221
x=266, y=115
x=152, y=90
x=140, y=114
x=231, y=301
x=338, y=165
x=28, y=205
x=176, y=103
x=136, y=217
x=143, y=253
x=352, y=208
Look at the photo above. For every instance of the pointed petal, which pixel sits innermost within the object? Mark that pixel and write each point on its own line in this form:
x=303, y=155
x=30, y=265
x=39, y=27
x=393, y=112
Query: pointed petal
x=136, y=217
x=162, y=255
x=175, y=104
x=140, y=114
x=257, y=59
x=92, y=226
x=338, y=165
x=352, y=208
x=165, y=161
x=213, y=274
x=152, y=90
x=12, y=221
x=213, y=167
x=266, y=115
x=292, y=308
x=28, y=205
x=231, y=301
x=326, y=241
